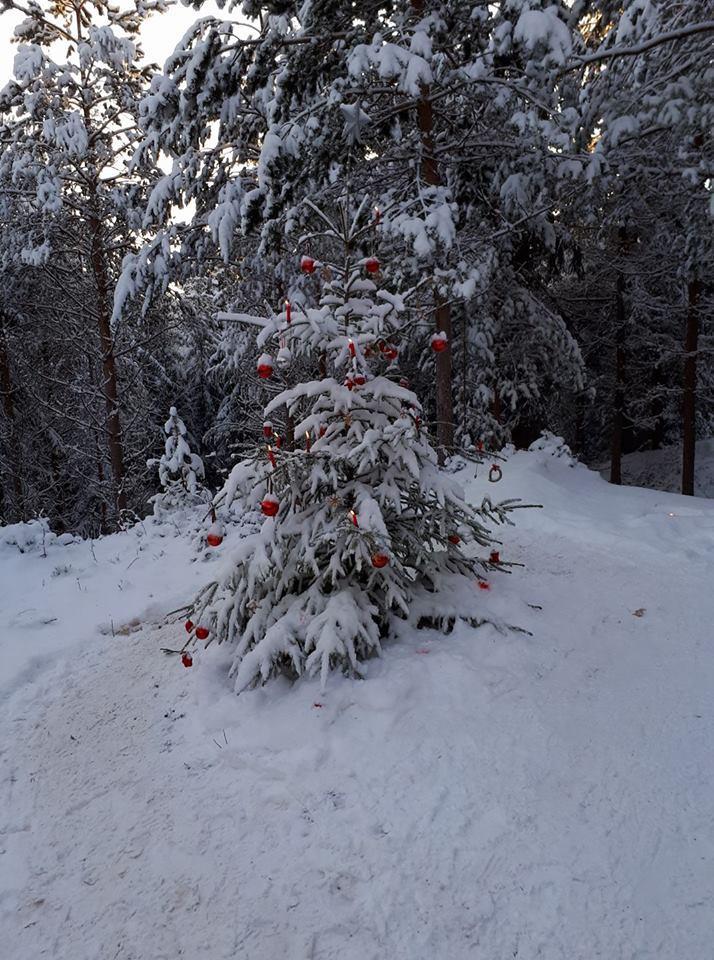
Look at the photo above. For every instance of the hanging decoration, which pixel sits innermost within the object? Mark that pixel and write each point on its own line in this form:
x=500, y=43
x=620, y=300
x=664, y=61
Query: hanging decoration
x=379, y=560
x=439, y=342
x=265, y=366
x=270, y=505
x=186, y=659
x=495, y=473
x=202, y=633
x=307, y=264
x=372, y=265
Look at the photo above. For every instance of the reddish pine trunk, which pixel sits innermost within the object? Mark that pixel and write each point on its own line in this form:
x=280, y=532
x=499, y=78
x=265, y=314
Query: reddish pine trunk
x=689, y=432
x=110, y=386
x=618, y=404
x=8, y=406
x=442, y=312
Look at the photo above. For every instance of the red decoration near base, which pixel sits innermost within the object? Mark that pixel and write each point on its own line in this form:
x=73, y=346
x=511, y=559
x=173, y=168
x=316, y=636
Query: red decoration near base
x=270, y=505
x=187, y=659
x=482, y=585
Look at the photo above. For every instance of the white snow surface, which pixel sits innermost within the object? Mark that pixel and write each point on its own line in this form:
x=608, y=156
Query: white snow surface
x=477, y=796
x=662, y=469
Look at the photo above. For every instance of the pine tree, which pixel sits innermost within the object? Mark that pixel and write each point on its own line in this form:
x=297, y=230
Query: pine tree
x=361, y=529
x=69, y=129
x=181, y=472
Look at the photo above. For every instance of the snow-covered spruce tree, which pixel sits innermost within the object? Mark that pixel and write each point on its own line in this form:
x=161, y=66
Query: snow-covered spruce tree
x=181, y=472
x=361, y=529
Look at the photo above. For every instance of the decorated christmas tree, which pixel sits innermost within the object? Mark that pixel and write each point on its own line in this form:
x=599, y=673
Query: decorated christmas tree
x=361, y=530
x=181, y=472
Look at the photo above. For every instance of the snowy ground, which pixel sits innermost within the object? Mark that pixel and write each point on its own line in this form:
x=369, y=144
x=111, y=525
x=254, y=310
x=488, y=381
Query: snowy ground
x=662, y=469
x=479, y=796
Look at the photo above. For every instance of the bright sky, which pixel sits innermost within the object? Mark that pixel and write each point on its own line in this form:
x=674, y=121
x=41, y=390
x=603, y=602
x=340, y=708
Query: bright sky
x=159, y=37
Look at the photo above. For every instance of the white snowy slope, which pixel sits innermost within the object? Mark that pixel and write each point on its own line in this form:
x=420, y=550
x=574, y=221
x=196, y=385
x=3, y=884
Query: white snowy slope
x=662, y=469
x=479, y=796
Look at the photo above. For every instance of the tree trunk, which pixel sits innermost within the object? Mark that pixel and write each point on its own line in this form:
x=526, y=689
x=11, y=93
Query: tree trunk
x=110, y=386
x=618, y=400
x=442, y=312
x=689, y=402
x=8, y=406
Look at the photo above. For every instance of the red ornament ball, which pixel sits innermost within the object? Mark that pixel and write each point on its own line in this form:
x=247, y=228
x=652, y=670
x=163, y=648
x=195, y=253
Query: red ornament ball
x=454, y=538
x=202, y=633
x=187, y=659
x=379, y=560
x=349, y=383
x=495, y=557
x=360, y=380
x=189, y=626
x=482, y=585
x=265, y=366
x=270, y=505
x=307, y=264
x=439, y=342
x=214, y=537
x=391, y=352
x=372, y=265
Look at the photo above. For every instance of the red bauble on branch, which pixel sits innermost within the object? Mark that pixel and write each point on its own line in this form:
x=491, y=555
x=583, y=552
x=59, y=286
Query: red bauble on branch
x=379, y=560
x=265, y=366
x=495, y=557
x=360, y=380
x=267, y=430
x=307, y=264
x=390, y=352
x=189, y=626
x=349, y=383
x=214, y=537
x=454, y=538
x=187, y=659
x=202, y=633
x=270, y=505
x=439, y=342
x=372, y=265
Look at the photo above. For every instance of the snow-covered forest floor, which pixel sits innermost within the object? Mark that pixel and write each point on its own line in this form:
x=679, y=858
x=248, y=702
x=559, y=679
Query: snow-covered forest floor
x=662, y=469
x=479, y=796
